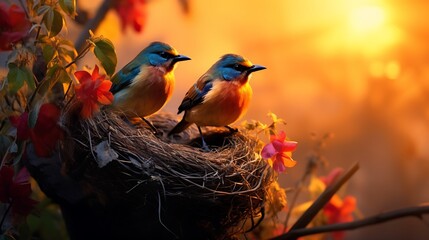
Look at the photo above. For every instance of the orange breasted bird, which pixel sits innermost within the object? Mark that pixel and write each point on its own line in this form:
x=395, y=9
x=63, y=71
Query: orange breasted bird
x=219, y=97
x=144, y=85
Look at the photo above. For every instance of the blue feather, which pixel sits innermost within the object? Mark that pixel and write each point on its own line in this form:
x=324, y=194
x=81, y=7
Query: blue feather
x=199, y=97
x=125, y=79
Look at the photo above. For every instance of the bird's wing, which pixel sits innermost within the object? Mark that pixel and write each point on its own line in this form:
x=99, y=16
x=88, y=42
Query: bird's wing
x=196, y=93
x=125, y=76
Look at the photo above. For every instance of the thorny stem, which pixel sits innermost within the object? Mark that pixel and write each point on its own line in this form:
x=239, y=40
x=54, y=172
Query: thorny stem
x=416, y=211
x=5, y=214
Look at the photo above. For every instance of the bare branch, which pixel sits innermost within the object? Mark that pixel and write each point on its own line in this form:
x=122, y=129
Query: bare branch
x=416, y=211
x=326, y=195
x=93, y=24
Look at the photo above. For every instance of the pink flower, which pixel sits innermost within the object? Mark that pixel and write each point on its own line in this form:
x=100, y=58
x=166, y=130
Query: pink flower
x=132, y=12
x=279, y=152
x=332, y=176
x=14, y=25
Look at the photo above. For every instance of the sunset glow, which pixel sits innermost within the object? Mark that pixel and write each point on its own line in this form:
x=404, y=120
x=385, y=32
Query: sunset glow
x=366, y=19
x=370, y=30
x=150, y=149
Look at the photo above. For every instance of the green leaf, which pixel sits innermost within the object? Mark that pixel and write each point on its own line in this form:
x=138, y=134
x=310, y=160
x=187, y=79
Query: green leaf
x=51, y=88
x=34, y=114
x=64, y=77
x=68, y=43
x=66, y=54
x=28, y=77
x=43, y=10
x=14, y=78
x=48, y=53
x=17, y=76
x=105, y=53
x=49, y=81
x=53, y=21
x=71, y=54
x=51, y=71
x=69, y=7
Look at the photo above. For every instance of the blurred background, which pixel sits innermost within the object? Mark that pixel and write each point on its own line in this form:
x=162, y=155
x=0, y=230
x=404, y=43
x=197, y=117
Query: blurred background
x=356, y=69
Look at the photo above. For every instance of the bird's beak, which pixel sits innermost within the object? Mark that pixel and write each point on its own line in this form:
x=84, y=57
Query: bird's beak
x=255, y=68
x=179, y=58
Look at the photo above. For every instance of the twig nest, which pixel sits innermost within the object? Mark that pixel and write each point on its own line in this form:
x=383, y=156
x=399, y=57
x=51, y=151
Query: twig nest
x=171, y=187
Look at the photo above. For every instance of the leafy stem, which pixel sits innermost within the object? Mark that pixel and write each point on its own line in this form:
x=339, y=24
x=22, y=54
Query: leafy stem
x=79, y=56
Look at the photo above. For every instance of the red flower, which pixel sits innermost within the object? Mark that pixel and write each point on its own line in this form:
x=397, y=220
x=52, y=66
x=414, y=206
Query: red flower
x=339, y=211
x=14, y=25
x=45, y=133
x=279, y=152
x=132, y=12
x=92, y=90
x=16, y=190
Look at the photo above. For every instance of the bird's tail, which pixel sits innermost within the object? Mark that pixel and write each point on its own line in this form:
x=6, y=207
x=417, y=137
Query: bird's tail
x=182, y=125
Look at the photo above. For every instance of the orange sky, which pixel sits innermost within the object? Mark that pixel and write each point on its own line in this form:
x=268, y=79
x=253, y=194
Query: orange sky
x=358, y=69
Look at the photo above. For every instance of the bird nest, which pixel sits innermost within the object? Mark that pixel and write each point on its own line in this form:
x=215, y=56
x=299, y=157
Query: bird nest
x=170, y=186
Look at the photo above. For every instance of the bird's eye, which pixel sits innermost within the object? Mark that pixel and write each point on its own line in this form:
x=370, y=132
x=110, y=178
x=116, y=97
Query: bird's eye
x=237, y=67
x=164, y=54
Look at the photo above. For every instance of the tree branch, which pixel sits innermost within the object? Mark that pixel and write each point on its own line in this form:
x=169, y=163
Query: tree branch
x=326, y=195
x=324, y=198
x=416, y=211
x=93, y=24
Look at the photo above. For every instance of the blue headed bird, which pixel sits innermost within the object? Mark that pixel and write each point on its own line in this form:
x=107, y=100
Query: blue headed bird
x=144, y=85
x=220, y=96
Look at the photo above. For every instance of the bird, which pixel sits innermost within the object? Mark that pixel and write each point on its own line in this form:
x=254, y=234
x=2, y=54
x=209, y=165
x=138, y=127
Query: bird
x=144, y=85
x=219, y=97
